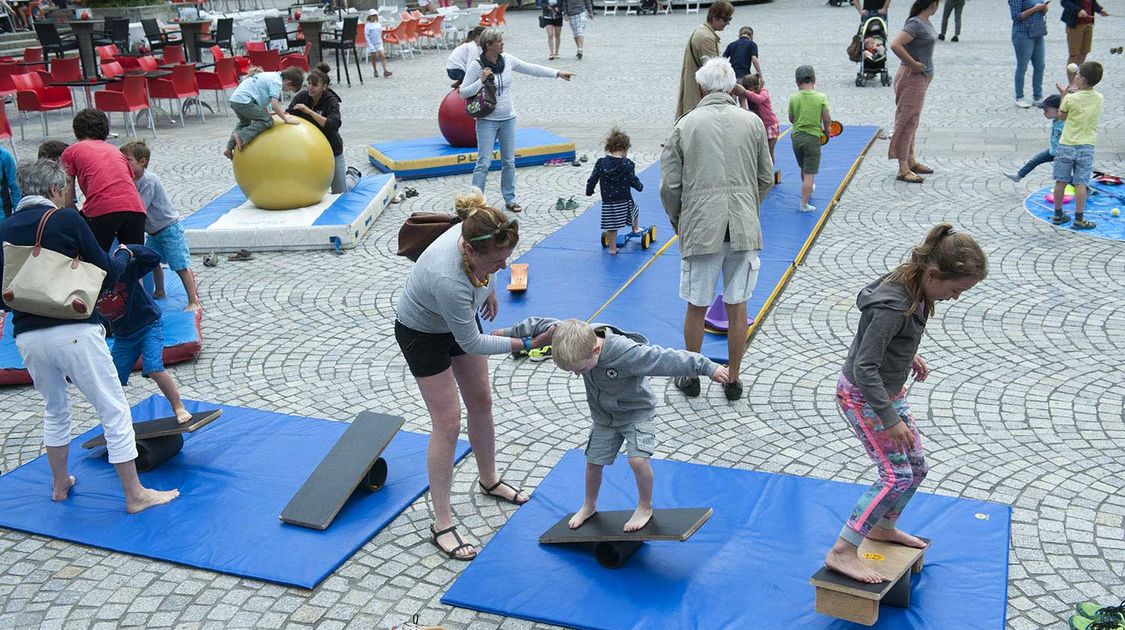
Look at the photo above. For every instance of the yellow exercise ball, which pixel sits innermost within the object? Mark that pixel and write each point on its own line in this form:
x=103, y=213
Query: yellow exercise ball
x=285, y=166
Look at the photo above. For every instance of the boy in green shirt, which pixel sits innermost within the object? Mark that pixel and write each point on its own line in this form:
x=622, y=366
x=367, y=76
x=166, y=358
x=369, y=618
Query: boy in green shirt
x=1074, y=161
x=808, y=113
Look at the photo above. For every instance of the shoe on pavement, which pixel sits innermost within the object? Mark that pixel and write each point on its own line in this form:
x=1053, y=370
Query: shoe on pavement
x=954, y=39
x=1013, y=176
x=1023, y=103
x=1078, y=622
x=387, y=74
x=689, y=385
x=1090, y=610
x=733, y=391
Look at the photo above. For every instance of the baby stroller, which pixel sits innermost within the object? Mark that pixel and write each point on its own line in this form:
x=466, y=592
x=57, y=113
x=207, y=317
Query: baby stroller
x=872, y=39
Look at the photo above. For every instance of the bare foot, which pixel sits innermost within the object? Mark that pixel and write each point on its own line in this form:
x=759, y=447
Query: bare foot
x=639, y=519
x=183, y=416
x=150, y=498
x=580, y=516
x=848, y=563
x=193, y=306
x=60, y=494
x=613, y=251
x=896, y=536
x=159, y=295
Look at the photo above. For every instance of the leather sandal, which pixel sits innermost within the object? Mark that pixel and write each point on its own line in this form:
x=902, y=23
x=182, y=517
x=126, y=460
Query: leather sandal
x=515, y=492
x=452, y=553
x=921, y=169
x=910, y=178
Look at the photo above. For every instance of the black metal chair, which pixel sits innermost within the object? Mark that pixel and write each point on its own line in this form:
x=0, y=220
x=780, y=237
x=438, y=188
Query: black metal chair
x=116, y=32
x=51, y=41
x=342, y=45
x=223, y=35
x=276, y=31
x=157, y=38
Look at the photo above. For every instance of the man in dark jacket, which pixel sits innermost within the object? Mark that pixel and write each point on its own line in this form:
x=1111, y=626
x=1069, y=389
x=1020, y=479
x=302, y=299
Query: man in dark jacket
x=1078, y=15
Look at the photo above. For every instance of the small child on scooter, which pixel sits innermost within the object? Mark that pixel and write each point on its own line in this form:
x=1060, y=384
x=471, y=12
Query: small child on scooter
x=617, y=175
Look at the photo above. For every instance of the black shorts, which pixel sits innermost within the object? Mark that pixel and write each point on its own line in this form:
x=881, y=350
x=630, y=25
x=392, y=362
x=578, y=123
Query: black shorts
x=127, y=227
x=427, y=354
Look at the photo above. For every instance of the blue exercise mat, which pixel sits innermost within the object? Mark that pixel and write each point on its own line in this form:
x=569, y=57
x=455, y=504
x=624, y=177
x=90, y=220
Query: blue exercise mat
x=235, y=476
x=747, y=567
x=182, y=337
x=1100, y=203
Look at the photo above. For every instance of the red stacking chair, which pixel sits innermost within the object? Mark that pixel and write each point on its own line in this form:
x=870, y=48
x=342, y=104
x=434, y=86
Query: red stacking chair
x=34, y=55
x=173, y=55
x=111, y=70
x=225, y=77
x=148, y=63
x=181, y=85
x=66, y=69
x=268, y=60
x=7, y=88
x=255, y=47
x=293, y=60
x=131, y=98
x=6, y=130
x=33, y=96
x=107, y=52
x=242, y=64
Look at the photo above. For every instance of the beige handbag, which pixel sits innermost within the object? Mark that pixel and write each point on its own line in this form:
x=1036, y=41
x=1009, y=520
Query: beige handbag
x=44, y=282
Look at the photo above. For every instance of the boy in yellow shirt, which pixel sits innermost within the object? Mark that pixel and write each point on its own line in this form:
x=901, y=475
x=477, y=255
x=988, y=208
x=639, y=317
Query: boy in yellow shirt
x=1074, y=162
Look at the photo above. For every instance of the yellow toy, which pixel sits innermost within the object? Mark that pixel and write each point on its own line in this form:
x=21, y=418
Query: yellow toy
x=285, y=167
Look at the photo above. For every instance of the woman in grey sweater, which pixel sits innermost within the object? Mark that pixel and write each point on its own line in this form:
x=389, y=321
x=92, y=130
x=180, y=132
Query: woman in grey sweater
x=441, y=338
x=500, y=68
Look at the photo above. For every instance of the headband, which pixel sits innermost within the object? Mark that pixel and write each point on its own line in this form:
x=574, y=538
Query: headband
x=501, y=226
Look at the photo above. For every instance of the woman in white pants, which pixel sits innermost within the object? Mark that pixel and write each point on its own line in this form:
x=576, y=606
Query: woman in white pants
x=54, y=350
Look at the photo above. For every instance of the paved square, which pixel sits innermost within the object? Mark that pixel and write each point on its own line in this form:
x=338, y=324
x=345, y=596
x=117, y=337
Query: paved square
x=1024, y=405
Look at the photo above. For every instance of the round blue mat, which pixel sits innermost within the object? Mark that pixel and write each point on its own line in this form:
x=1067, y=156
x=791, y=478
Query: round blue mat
x=1099, y=202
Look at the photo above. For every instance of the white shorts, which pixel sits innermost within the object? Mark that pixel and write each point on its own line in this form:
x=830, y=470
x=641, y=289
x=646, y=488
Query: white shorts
x=700, y=274
x=374, y=46
x=578, y=24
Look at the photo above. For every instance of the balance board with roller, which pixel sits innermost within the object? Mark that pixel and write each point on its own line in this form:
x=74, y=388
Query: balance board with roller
x=354, y=461
x=838, y=595
x=158, y=440
x=614, y=545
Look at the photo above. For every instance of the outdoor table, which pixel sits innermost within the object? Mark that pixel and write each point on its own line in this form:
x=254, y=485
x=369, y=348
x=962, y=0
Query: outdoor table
x=190, y=30
x=311, y=27
x=85, y=84
x=84, y=33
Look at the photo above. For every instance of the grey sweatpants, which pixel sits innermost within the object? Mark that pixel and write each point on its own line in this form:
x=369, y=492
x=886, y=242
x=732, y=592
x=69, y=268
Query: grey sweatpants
x=252, y=120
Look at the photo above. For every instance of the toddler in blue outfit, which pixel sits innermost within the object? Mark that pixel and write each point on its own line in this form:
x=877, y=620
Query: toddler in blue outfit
x=1050, y=107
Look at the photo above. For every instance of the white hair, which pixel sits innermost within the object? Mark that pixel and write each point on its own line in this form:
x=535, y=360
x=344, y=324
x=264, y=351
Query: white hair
x=716, y=75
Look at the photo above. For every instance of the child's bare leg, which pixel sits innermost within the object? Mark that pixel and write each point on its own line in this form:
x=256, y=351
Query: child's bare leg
x=844, y=558
x=61, y=480
x=1079, y=199
x=896, y=536
x=773, y=142
x=642, y=470
x=167, y=387
x=593, y=485
x=1060, y=190
x=188, y=278
x=611, y=238
x=383, y=58
x=806, y=188
x=158, y=283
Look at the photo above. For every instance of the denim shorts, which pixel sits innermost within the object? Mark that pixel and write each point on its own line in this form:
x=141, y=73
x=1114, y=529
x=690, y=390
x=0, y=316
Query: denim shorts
x=1074, y=164
x=147, y=344
x=172, y=246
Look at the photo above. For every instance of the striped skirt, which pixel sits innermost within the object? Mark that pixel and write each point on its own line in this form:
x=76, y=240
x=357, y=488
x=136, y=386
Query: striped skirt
x=910, y=95
x=618, y=214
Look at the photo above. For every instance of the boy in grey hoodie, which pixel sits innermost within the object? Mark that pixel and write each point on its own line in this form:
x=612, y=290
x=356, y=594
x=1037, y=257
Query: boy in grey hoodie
x=615, y=366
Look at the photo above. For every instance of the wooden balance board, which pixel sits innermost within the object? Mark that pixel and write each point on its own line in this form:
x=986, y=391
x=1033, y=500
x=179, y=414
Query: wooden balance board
x=840, y=596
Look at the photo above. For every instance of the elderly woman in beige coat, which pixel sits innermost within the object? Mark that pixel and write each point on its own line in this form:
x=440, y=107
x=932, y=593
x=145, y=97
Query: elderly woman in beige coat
x=714, y=172
x=704, y=43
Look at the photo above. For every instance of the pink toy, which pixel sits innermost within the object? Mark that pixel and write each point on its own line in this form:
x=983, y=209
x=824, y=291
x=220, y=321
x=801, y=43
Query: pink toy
x=1050, y=197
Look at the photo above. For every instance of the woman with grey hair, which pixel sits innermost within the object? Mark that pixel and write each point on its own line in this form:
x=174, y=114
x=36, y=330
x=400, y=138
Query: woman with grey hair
x=500, y=68
x=55, y=350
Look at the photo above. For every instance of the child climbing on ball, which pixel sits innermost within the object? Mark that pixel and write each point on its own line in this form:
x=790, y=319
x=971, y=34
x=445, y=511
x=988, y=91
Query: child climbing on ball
x=253, y=95
x=164, y=233
x=615, y=366
x=758, y=101
x=373, y=32
x=893, y=312
x=135, y=322
x=617, y=175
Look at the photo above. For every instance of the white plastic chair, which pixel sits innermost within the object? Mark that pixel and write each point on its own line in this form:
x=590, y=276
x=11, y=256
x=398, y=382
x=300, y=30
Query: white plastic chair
x=692, y=6
x=607, y=5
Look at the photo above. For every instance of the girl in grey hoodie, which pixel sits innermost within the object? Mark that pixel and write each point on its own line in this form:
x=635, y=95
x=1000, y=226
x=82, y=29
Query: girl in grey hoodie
x=893, y=314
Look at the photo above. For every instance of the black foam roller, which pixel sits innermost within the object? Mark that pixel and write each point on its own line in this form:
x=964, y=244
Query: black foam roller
x=153, y=452
x=612, y=555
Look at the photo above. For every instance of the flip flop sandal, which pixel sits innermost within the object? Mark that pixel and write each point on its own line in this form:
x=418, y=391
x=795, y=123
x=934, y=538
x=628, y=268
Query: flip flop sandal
x=242, y=254
x=410, y=192
x=451, y=553
x=583, y=159
x=514, y=207
x=921, y=169
x=489, y=492
x=576, y=162
x=910, y=178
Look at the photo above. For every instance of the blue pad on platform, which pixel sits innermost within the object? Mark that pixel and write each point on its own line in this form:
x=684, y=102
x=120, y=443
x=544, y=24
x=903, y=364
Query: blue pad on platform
x=230, y=223
x=235, y=476
x=434, y=157
x=747, y=567
x=182, y=337
x=1100, y=202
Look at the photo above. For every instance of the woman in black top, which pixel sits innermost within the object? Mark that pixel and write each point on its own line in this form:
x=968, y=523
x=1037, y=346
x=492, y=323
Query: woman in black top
x=551, y=21
x=872, y=8
x=320, y=105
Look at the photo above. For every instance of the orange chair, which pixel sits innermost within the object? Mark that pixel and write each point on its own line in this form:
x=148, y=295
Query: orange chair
x=130, y=98
x=181, y=85
x=225, y=77
x=431, y=30
x=6, y=130
x=173, y=55
x=495, y=17
x=397, y=37
x=33, y=96
x=405, y=15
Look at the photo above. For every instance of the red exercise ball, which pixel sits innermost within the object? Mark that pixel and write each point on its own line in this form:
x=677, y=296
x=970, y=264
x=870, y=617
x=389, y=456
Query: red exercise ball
x=458, y=128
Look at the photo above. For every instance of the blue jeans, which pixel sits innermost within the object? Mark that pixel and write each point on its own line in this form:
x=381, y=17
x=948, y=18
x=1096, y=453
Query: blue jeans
x=488, y=131
x=1029, y=49
x=1043, y=157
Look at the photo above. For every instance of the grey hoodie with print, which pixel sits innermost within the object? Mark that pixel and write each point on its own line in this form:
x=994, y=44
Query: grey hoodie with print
x=885, y=343
x=617, y=387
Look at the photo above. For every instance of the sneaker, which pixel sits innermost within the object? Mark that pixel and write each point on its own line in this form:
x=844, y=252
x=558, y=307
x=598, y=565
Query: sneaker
x=1078, y=622
x=808, y=207
x=1083, y=224
x=539, y=354
x=579, y=53
x=941, y=36
x=560, y=204
x=387, y=74
x=954, y=39
x=1013, y=176
x=571, y=204
x=733, y=391
x=1023, y=103
x=1090, y=610
x=1060, y=218
x=689, y=385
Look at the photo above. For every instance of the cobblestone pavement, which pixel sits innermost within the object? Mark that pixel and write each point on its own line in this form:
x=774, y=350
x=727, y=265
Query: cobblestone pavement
x=1024, y=406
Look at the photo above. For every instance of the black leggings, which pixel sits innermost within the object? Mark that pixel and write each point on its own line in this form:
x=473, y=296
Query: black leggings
x=127, y=227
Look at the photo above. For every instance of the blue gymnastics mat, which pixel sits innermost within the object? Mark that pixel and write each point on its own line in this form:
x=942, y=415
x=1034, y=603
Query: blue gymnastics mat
x=1100, y=202
x=230, y=222
x=235, y=475
x=747, y=567
x=434, y=157
x=183, y=339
